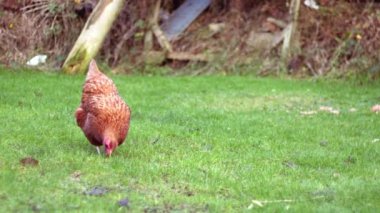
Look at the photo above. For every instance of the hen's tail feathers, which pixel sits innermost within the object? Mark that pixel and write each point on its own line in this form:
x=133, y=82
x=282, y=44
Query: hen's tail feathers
x=92, y=69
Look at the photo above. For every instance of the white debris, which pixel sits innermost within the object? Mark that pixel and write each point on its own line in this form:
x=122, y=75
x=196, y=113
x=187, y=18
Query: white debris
x=311, y=4
x=37, y=60
x=216, y=27
x=352, y=110
x=312, y=112
x=329, y=109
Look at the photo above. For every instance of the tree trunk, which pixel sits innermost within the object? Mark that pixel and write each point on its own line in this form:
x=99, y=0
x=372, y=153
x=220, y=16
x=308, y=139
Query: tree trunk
x=92, y=36
x=290, y=38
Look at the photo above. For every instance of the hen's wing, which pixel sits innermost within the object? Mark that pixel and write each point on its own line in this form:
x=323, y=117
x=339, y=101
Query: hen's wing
x=92, y=130
x=110, y=114
x=80, y=116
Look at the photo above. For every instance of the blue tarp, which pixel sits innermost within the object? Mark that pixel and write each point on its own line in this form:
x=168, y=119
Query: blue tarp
x=181, y=18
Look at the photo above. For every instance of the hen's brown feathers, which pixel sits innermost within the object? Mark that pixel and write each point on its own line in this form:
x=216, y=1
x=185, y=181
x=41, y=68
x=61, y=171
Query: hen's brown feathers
x=102, y=113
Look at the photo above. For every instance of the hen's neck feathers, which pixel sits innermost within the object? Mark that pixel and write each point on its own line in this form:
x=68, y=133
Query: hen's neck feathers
x=93, y=70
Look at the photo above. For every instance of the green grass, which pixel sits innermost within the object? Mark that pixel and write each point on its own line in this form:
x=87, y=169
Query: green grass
x=204, y=144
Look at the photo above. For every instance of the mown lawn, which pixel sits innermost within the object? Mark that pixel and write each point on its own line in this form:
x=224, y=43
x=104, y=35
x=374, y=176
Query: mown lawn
x=196, y=144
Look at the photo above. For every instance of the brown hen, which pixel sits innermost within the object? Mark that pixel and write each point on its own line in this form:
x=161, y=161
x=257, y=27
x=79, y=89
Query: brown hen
x=103, y=115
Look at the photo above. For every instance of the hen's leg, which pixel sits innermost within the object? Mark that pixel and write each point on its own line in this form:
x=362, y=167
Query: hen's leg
x=97, y=149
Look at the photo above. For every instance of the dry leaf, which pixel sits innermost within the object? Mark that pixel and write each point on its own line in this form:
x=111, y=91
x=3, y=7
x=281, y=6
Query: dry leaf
x=124, y=202
x=323, y=143
x=257, y=202
x=308, y=112
x=352, y=110
x=97, y=191
x=29, y=161
x=290, y=164
x=325, y=108
x=329, y=109
x=261, y=203
x=76, y=175
x=336, y=175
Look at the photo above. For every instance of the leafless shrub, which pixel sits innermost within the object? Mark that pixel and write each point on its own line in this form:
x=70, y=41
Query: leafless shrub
x=40, y=27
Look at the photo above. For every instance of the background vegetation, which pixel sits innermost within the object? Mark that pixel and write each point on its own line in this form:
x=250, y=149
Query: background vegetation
x=340, y=39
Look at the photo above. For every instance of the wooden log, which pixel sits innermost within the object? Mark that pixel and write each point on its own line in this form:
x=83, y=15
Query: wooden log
x=157, y=57
x=184, y=56
x=92, y=36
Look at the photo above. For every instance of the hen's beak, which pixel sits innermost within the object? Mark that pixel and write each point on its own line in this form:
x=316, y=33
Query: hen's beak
x=108, y=153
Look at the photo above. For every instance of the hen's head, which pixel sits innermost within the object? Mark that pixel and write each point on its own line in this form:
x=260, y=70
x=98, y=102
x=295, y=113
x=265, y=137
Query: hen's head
x=109, y=146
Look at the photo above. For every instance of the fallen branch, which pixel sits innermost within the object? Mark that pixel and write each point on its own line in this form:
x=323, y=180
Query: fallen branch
x=184, y=56
x=261, y=203
x=157, y=57
x=161, y=38
x=279, y=23
x=160, y=35
x=124, y=39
